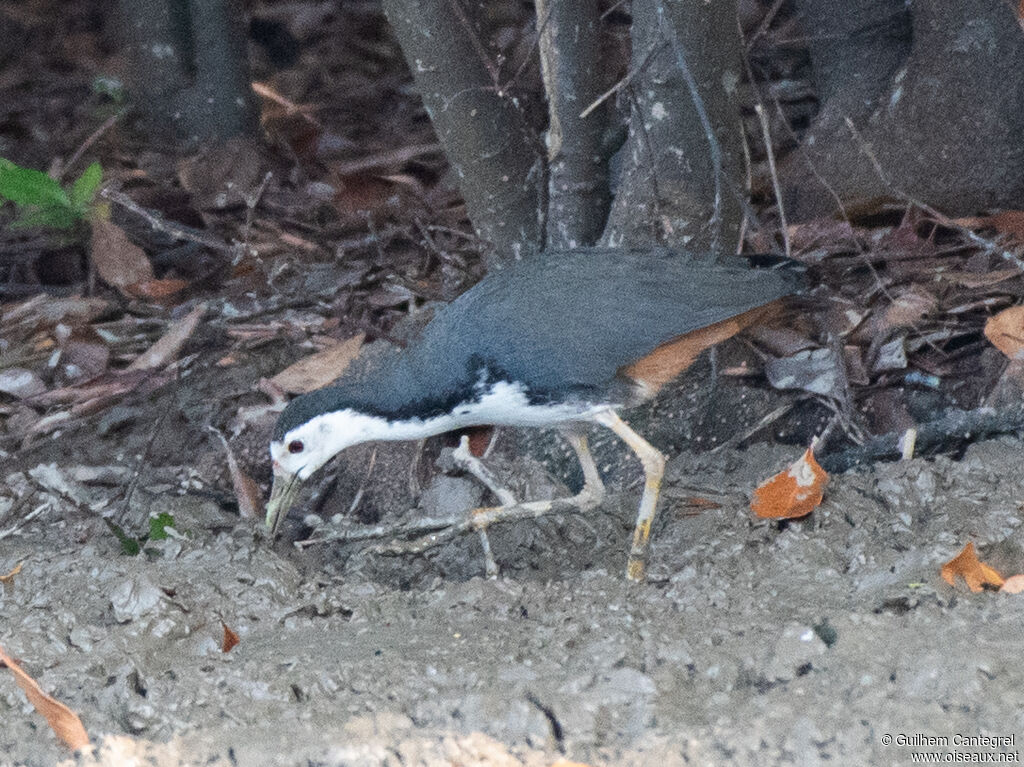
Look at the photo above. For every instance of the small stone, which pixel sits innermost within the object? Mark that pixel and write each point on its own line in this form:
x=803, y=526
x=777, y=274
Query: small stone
x=133, y=598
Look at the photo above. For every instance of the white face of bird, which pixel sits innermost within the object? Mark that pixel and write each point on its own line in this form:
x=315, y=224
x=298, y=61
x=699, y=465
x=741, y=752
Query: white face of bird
x=307, y=447
x=310, y=445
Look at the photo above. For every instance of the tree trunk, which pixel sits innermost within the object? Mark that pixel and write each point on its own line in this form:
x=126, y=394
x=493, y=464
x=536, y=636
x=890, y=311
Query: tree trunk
x=484, y=134
x=946, y=126
x=681, y=164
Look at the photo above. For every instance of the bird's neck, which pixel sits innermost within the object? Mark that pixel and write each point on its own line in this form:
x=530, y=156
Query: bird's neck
x=403, y=402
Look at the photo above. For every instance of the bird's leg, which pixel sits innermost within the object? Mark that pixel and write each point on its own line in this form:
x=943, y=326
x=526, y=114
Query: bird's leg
x=464, y=457
x=588, y=498
x=654, y=469
x=592, y=492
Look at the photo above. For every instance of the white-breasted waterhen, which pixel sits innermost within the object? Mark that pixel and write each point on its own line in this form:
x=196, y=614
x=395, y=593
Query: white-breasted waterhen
x=553, y=340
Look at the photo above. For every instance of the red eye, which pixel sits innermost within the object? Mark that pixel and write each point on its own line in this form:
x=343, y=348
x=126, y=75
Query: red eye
x=296, y=446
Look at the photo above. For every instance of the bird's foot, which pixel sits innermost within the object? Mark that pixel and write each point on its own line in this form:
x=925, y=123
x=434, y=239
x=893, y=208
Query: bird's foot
x=464, y=457
x=481, y=519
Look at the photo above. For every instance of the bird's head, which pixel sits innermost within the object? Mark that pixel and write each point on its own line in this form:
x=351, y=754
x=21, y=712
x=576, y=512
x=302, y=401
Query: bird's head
x=310, y=431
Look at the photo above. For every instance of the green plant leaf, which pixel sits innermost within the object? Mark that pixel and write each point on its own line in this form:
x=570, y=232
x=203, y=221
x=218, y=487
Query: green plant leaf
x=158, y=526
x=47, y=218
x=25, y=186
x=85, y=186
x=129, y=545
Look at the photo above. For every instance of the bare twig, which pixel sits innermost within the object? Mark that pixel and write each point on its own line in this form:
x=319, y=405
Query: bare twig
x=944, y=434
x=357, y=499
x=251, y=201
x=20, y=523
x=766, y=22
x=767, y=138
x=391, y=157
x=92, y=139
x=139, y=462
x=178, y=231
x=474, y=39
x=626, y=80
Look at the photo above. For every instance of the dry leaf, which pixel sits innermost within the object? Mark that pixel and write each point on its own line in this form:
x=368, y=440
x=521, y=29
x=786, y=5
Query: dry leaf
x=169, y=344
x=906, y=310
x=1009, y=222
x=119, y=262
x=230, y=639
x=976, y=573
x=247, y=492
x=62, y=720
x=982, y=279
x=222, y=175
x=1013, y=585
x=699, y=502
x=318, y=370
x=1005, y=331
x=161, y=291
x=71, y=310
x=792, y=493
x=7, y=580
x=9, y=576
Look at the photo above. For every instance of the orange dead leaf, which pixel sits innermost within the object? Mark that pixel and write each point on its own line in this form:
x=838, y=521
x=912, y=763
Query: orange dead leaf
x=975, y=572
x=9, y=577
x=118, y=261
x=7, y=581
x=62, y=720
x=792, y=493
x=1013, y=585
x=318, y=370
x=1005, y=331
x=161, y=291
x=230, y=639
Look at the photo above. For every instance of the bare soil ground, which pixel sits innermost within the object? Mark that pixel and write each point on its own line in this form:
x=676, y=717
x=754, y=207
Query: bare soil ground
x=753, y=643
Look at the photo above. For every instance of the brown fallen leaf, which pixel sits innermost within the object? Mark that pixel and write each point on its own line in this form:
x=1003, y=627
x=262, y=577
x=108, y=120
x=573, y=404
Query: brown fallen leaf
x=1009, y=222
x=118, y=261
x=318, y=370
x=230, y=640
x=36, y=314
x=7, y=580
x=792, y=493
x=1005, y=331
x=222, y=175
x=161, y=291
x=975, y=573
x=247, y=492
x=166, y=347
x=62, y=720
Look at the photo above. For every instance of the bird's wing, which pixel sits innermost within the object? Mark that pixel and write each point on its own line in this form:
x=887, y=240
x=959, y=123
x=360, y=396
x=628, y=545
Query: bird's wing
x=574, y=319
